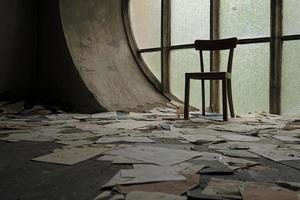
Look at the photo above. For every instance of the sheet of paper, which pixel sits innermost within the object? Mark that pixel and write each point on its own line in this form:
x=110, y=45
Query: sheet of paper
x=169, y=187
x=153, y=195
x=278, y=154
x=156, y=155
x=143, y=173
x=240, y=138
x=71, y=156
x=224, y=188
x=119, y=159
x=106, y=140
x=284, y=138
x=130, y=124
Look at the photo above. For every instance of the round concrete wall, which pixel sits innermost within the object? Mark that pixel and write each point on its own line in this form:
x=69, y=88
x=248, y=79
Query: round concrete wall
x=98, y=45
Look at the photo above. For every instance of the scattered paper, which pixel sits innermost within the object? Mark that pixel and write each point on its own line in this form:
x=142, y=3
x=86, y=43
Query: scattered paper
x=153, y=195
x=76, y=143
x=105, y=140
x=71, y=156
x=224, y=188
x=143, y=173
x=119, y=159
x=257, y=192
x=240, y=138
x=286, y=138
x=168, y=187
x=196, y=138
x=130, y=124
x=238, y=153
x=238, y=128
x=76, y=136
x=278, y=154
x=156, y=155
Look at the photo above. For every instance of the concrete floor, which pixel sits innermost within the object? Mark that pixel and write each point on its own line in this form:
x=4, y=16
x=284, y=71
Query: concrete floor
x=23, y=179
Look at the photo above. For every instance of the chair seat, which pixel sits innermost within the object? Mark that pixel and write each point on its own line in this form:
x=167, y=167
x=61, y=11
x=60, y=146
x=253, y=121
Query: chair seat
x=208, y=75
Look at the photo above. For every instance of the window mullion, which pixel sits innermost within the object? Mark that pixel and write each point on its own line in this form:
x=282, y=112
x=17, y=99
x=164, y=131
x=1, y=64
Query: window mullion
x=275, y=56
x=214, y=56
x=165, y=45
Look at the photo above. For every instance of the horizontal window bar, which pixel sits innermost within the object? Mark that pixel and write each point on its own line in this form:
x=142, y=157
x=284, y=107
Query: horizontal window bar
x=183, y=46
x=240, y=41
x=254, y=40
x=290, y=37
x=149, y=50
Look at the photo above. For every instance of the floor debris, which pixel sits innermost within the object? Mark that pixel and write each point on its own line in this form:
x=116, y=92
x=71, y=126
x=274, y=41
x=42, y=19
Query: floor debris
x=152, y=196
x=166, y=154
x=156, y=155
x=144, y=173
x=261, y=192
x=106, y=140
x=224, y=188
x=278, y=154
x=71, y=156
x=168, y=187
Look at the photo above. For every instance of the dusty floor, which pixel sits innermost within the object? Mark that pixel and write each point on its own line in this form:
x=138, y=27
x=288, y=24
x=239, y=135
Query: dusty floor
x=255, y=148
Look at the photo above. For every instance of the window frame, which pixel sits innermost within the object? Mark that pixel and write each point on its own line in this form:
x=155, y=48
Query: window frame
x=275, y=40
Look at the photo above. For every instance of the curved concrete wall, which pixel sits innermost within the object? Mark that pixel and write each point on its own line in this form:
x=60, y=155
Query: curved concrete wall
x=97, y=42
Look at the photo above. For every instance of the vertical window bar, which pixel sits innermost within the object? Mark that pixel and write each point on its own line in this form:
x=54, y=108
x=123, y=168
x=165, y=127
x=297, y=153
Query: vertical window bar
x=275, y=56
x=214, y=55
x=165, y=45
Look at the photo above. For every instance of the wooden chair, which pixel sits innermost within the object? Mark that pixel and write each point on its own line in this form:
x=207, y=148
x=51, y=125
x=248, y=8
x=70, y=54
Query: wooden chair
x=225, y=77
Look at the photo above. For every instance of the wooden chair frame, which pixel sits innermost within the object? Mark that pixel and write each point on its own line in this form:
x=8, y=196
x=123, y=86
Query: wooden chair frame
x=225, y=77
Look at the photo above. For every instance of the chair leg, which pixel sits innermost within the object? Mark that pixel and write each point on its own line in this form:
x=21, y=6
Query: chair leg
x=230, y=101
x=187, y=98
x=203, y=97
x=224, y=96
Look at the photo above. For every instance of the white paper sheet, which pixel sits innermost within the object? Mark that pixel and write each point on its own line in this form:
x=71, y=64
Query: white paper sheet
x=156, y=155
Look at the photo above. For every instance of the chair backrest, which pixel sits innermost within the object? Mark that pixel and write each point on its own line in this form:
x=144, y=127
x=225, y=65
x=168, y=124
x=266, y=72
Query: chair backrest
x=211, y=45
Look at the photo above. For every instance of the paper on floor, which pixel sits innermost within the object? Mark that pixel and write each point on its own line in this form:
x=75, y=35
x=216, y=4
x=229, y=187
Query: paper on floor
x=240, y=138
x=168, y=187
x=277, y=154
x=224, y=188
x=238, y=153
x=156, y=155
x=71, y=156
x=238, y=128
x=200, y=137
x=153, y=195
x=144, y=173
x=284, y=138
x=76, y=143
x=29, y=136
x=119, y=159
x=257, y=192
x=130, y=124
x=76, y=136
x=237, y=163
x=105, y=140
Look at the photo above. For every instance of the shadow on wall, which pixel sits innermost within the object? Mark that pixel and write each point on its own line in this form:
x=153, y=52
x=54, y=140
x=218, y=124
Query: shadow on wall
x=57, y=79
x=18, y=44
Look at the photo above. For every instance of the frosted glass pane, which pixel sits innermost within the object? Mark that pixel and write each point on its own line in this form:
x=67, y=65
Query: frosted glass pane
x=291, y=17
x=145, y=16
x=183, y=61
x=290, y=94
x=189, y=21
x=250, y=77
x=153, y=62
x=244, y=18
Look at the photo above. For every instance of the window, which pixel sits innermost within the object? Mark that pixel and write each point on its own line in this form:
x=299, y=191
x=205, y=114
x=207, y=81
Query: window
x=265, y=62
